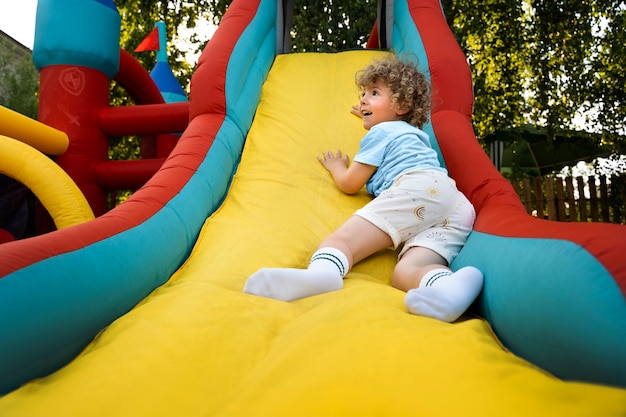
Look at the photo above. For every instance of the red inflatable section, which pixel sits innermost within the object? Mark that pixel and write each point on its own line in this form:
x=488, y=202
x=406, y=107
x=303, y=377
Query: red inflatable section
x=75, y=100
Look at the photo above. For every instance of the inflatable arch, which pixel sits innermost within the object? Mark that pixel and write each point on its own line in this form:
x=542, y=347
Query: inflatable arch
x=23, y=145
x=54, y=188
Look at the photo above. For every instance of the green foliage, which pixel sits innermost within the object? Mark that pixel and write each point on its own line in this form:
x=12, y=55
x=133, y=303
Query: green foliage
x=19, y=85
x=321, y=26
x=608, y=68
x=552, y=63
x=138, y=20
x=494, y=51
x=331, y=25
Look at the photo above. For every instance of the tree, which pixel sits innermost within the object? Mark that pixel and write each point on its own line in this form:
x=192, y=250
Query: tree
x=483, y=30
x=139, y=17
x=19, y=86
x=344, y=24
x=138, y=20
x=550, y=63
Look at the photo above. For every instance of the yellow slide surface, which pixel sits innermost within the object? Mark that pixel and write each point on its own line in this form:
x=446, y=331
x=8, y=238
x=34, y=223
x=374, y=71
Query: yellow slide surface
x=199, y=346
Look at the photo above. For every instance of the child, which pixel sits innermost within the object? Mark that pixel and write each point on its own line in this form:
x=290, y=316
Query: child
x=416, y=204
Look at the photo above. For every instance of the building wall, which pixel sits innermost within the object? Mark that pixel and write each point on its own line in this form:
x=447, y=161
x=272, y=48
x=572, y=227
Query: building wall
x=18, y=77
x=13, y=49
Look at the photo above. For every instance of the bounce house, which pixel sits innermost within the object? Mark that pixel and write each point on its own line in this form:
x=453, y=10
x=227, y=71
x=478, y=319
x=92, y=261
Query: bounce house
x=140, y=311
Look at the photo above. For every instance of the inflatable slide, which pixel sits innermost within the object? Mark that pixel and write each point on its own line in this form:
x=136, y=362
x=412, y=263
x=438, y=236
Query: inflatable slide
x=140, y=312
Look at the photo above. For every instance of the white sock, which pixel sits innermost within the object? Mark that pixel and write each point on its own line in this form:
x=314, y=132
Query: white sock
x=444, y=295
x=325, y=273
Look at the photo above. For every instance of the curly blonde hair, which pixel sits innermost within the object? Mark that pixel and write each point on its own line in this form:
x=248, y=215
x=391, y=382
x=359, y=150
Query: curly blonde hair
x=409, y=87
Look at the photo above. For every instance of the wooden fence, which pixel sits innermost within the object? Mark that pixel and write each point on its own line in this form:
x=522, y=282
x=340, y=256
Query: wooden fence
x=571, y=199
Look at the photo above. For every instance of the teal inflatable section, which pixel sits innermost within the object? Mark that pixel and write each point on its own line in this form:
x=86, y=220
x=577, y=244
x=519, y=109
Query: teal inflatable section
x=542, y=300
x=406, y=41
x=246, y=76
x=90, y=38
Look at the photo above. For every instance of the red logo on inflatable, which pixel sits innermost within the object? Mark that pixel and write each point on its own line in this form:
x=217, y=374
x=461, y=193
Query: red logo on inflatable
x=72, y=80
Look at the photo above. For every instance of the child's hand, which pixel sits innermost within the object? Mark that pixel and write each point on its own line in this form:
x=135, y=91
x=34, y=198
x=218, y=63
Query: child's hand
x=332, y=161
x=356, y=110
x=350, y=179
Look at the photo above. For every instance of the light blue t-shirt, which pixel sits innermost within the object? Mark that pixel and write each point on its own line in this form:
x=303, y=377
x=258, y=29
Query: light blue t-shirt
x=395, y=147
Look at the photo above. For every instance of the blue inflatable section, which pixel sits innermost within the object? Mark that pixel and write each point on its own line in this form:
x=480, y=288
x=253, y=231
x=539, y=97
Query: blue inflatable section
x=108, y=3
x=91, y=37
x=168, y=85
x=548, y=288
x=406, y=41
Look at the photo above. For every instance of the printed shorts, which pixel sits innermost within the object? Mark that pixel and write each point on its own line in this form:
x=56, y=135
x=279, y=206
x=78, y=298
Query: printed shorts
x=423, y=208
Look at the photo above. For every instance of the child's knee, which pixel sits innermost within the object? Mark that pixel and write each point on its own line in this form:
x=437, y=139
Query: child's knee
x=404, y=277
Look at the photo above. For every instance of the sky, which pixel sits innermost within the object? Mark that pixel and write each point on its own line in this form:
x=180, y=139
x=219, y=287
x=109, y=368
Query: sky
x=17, y=19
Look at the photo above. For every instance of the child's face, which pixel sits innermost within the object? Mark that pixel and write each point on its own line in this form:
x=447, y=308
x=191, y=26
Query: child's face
x=376, y=105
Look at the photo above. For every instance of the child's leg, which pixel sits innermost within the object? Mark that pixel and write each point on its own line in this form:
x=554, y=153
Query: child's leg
x=433, y=290
x=325, y=273
x=353, y=241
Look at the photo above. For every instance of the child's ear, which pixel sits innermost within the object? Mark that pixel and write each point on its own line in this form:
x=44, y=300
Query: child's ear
x=402, y=111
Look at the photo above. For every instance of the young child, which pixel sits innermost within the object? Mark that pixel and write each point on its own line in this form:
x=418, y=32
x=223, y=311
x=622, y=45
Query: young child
x=416, y=205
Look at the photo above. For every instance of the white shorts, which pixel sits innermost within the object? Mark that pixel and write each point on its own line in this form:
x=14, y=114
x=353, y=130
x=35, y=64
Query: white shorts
x=423, y=208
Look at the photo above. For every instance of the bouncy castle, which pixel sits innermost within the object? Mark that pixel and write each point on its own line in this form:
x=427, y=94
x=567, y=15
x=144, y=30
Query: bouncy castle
x=140, y=311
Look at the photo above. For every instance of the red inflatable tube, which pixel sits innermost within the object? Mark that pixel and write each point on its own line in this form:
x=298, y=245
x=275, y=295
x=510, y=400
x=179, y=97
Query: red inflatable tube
x=147, y=119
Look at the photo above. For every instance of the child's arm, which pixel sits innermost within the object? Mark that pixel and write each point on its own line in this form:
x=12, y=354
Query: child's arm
x=350, y=179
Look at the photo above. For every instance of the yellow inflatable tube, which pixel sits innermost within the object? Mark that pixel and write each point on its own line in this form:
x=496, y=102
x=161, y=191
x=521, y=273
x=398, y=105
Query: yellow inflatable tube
x=54, y=188
x=38, y=135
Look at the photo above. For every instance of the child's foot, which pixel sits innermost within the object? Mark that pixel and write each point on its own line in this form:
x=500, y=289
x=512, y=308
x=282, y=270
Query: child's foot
x=444, y=295
x=288, y=284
